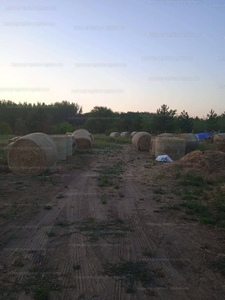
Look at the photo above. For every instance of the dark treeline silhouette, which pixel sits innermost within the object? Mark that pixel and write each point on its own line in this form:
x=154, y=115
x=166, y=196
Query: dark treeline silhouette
x=61, y=117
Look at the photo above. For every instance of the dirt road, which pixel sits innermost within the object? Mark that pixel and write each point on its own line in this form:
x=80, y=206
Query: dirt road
x=106, y=239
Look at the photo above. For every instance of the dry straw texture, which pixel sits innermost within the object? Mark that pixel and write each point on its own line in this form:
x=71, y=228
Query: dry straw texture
x=32, y=154
x=219, y=142
x=114, y=134
x=133, y=133
x=83, y=132
x=141, y=141
x=167, y=134
x=125, y=134
x=60, y=141
x=172, y=146
x=83, y=141
x=191, y=140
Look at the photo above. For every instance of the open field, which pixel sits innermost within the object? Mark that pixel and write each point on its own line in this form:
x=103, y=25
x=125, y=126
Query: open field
x=112, y=223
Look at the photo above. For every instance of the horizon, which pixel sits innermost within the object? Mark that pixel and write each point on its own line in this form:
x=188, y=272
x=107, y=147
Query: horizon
x=130, y=56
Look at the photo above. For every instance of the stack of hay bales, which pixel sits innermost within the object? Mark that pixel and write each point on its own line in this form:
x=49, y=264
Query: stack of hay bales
x=33, y=153
x=191, y=141
x=125, y=134
x=83, y=139
x=219, y=142
x=172, y=146
x=114, y=134
x=60, y=141
x=133, y=133
x=141, y=141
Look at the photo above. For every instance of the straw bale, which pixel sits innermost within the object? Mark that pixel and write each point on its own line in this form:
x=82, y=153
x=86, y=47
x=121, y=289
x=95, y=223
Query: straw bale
x=172, y=146
x=114, y=134
x=125, y=134
x=191, y=140
x=141, y=141
x=32, y=154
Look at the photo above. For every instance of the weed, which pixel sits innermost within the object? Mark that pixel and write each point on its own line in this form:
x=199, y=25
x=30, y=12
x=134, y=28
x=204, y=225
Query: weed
x=219, y=265
x=103, y=199
x=48, y=207
x=159, y=191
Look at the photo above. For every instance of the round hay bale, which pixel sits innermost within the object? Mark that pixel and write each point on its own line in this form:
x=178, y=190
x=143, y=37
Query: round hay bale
x=133, y=133
x=125, y=134
x=114, y=134
x=167, y=134
x=33, y=153
x=174, y=147
x=141, y=141
x=191, y=140
x=12, y=140
x=69, y=133
x=83, y=141
x=83, y=132
x=60, y=141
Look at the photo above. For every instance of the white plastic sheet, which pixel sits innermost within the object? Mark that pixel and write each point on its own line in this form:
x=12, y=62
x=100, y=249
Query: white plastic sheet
x=164, y=158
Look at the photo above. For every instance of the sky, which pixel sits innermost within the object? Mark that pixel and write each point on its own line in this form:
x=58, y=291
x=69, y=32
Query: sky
x=127, y=55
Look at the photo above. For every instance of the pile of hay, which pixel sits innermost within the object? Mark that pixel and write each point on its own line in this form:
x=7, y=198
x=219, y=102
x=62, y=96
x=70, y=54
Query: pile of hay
x=172, y=146
x=219, y=142
x=32, y=154
x=141, y=141
x=210, y=161
x=114, y=134
x=125, y=134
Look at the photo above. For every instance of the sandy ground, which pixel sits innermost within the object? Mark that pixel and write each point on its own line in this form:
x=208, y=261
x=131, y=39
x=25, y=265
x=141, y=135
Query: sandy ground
x=62, y=233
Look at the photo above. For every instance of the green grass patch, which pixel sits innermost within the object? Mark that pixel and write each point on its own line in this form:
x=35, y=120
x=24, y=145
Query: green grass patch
x=159, y=191
x=131, y=274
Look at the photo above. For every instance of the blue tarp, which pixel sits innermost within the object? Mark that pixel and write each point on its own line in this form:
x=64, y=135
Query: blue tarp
x=203, y=135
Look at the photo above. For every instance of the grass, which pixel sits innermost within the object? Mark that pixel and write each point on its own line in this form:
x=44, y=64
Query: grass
x=159, y=191
x=109, y=173
x=219, y=265
x=102, y=141
x=95, y=229
x=202, y=198
x=103, y=200
x=131, y=274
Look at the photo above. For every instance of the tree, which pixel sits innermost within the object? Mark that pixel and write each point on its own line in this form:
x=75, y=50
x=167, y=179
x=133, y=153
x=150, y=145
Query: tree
x=20, y=127
x=212, y=120
x=184, y=122
x=5, y=128
x=165, y=118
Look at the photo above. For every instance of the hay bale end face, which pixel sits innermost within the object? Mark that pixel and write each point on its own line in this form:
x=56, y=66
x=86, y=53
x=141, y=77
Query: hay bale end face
x=114, y=134
x=83, y=142
x=172, y=146
x=70, y=145
x=32, y=154
x=141, y=141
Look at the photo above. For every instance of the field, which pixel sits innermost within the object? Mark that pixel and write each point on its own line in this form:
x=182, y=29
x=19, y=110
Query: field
x=112, y=223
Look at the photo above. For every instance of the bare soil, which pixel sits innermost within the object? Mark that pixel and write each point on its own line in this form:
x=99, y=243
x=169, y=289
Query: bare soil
x=65, y=236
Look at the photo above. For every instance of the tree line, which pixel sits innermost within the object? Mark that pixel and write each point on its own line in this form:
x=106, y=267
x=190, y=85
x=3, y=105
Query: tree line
x=61, y=117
